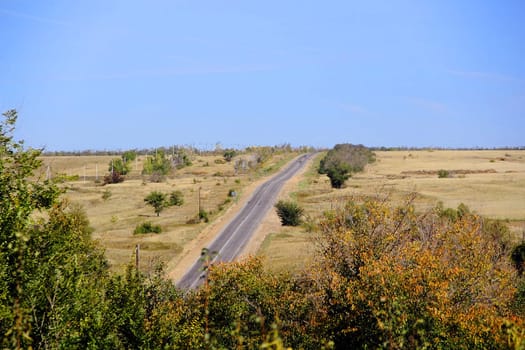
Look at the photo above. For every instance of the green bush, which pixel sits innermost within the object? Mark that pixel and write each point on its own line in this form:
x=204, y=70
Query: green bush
x=147, y=227
x=443, y=174
x=203, y=215
x=289, y=213
x=176, y=198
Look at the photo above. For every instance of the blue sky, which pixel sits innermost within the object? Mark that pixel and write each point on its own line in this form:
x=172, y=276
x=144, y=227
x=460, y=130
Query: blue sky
x=141, y=74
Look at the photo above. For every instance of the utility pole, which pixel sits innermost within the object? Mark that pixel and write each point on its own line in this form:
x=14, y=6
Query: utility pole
x=96, y=171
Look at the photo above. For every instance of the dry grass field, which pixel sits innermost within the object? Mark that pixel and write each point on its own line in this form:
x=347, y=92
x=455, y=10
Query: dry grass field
x=114, y=219
x=491, y=183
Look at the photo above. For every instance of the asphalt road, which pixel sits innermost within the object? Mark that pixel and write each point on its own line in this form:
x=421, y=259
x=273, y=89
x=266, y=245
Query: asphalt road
x=234, y=237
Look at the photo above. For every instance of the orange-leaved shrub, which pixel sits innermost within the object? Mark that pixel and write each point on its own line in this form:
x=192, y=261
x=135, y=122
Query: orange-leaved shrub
x=391, y=278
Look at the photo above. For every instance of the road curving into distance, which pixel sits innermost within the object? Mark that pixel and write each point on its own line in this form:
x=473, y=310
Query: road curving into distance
x=231, y=241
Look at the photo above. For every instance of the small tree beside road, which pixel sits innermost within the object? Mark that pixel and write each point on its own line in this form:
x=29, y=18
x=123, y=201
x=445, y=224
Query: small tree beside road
x=289, y=212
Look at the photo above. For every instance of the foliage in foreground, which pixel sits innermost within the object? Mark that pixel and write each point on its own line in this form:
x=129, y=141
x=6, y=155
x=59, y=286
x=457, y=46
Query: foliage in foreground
x=386, y=277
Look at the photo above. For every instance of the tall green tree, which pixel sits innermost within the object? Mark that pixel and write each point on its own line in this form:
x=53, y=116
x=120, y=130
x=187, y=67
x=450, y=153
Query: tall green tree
x=19, y=198
x=51, y=273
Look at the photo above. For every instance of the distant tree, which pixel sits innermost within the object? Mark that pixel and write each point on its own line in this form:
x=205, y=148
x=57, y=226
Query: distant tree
x=158, y=164
x=289, y=212
x=181, y=159
x=120, y=166
x=229, y=154
x=129, y=156
x=157, y=200
x=343, y=160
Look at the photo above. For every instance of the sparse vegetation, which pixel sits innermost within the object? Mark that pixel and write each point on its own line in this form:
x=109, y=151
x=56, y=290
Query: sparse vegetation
x=106, y=195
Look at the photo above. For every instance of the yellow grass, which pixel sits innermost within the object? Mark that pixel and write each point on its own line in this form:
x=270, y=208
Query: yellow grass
x=492, y=185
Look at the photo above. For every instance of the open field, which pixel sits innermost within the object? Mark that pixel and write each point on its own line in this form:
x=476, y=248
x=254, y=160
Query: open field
x=491, y=183
x=114, y=219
